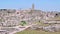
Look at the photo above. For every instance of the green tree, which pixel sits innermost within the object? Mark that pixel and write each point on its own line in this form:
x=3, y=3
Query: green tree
x=23, y=23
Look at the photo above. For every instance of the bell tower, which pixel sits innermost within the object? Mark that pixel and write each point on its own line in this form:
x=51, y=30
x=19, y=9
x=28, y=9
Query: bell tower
x=33, y=7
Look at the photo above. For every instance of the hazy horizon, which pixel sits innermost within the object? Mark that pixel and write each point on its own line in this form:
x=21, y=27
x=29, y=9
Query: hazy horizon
x=47, y=5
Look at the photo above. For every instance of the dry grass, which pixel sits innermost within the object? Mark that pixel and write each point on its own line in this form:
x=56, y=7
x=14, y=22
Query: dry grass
x=29, y=31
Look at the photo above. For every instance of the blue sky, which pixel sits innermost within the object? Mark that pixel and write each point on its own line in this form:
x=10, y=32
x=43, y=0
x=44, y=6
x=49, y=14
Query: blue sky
x=47, y=5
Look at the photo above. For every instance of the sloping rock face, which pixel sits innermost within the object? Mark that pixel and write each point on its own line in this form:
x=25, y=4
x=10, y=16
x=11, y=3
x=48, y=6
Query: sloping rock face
x=52, y=28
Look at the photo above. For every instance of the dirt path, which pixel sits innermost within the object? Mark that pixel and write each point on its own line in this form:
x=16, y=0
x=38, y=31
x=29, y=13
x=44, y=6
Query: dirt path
x=20, y=29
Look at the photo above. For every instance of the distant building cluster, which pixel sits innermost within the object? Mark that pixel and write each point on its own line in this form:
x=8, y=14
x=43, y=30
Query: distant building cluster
x=13, y=17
